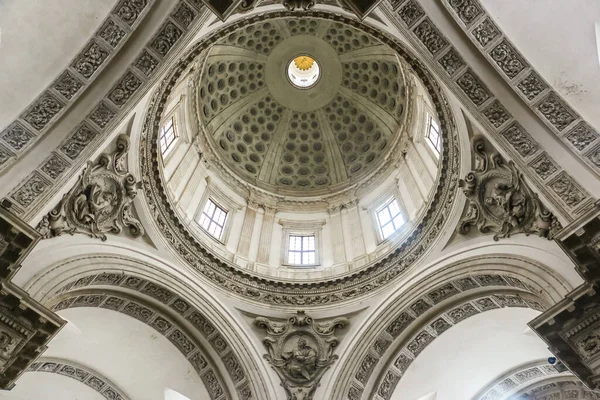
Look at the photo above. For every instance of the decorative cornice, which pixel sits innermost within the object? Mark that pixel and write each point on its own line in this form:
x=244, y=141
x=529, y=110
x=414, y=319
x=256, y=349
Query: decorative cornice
x=561, y=190
x=42, y=113
x=284, y=293
x=526, y=82
x=36, y=188
x=79, y=373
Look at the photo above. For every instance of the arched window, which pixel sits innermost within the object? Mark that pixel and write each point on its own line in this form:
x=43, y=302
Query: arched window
x=168, y=135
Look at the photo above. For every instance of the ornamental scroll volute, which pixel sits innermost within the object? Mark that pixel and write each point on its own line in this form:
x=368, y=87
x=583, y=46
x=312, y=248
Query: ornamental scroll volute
x=500, y=201
x=100, y=202
x=300, y=350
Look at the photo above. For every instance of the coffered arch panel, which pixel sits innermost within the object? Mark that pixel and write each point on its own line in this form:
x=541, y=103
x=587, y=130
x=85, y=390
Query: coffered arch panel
x=381, y=352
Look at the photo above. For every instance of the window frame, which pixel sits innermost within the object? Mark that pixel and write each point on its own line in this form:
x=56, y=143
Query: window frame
x=172, y=144
x=302, y=252
x=386, y=206
x=211, y=218
x=435, y=147
x=303, y=229
x=225, y=202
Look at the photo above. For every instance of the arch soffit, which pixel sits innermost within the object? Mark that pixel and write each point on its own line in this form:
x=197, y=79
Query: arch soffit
x=522, y=378
x=187, y=316
x=79, y=373
x=427, y=309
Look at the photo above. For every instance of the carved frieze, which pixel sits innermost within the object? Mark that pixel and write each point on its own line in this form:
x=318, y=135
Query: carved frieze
x=519, y=139
x=556, y=112
x=473, y=88
x=112, y=33
x=567, y=190
x=531, y=86
x=451, y=61
x=496, y=114
x=100, y=202
x=74, y=145
x=33, y=187
x=411, y=12
x=17, y=136
x=485, y=32
x=300, y=350
x=500, y=201
x=146, y=63
x=102, y=115
x=467, y=10
x=43, y=110
x=166, y=38
x=67, y=85
x=125, y=89
x=90, y=60
x=130, y=10
x=429, y=35
x=544, y=166
x=581, y=136
x=184, y=15
x=507, y=58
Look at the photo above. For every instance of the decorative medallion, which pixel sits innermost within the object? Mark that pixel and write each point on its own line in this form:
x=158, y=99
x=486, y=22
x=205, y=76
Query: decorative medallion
x=500, y=201
x=100, y=202
x=300, y=351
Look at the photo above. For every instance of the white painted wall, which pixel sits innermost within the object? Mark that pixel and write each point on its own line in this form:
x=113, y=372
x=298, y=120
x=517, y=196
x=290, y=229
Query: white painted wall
x=558, y=39
x=38, y=40
x=469, y=355
x=136, y=358
x=48, y=386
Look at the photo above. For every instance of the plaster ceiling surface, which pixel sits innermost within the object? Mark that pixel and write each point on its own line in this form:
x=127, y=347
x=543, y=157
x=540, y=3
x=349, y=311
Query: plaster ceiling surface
x=38, y=38
x=468, y=356
x=48, y=386
x=134, y=357
x=306, y=141
x=558, y=39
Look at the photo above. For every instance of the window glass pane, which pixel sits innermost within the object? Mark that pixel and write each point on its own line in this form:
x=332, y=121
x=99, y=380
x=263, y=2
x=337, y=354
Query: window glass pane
x=167, y=135
x=387, y=230
x=213, y=219
x=295, y=243
x=390, y=218
x=384, y=216
x=398, y=221
x=394, y=209
x=434, y=125
x=302, y=250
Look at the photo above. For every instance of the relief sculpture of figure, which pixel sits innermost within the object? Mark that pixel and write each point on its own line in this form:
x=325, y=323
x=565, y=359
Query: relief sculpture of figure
x=92, y=203
x=301, y=361
x=507, y=197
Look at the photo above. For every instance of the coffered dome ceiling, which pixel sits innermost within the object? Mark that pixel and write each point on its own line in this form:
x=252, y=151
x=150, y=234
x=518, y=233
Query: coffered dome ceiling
x=278, y=136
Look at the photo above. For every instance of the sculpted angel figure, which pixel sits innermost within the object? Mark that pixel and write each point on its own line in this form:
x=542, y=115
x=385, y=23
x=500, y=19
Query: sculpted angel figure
x=301, y=361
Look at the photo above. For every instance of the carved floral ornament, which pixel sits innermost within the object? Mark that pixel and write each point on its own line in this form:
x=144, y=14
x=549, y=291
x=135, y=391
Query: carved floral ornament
x=500, y=201
x=300, y=350
x=100, y=202
x=258, y=288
